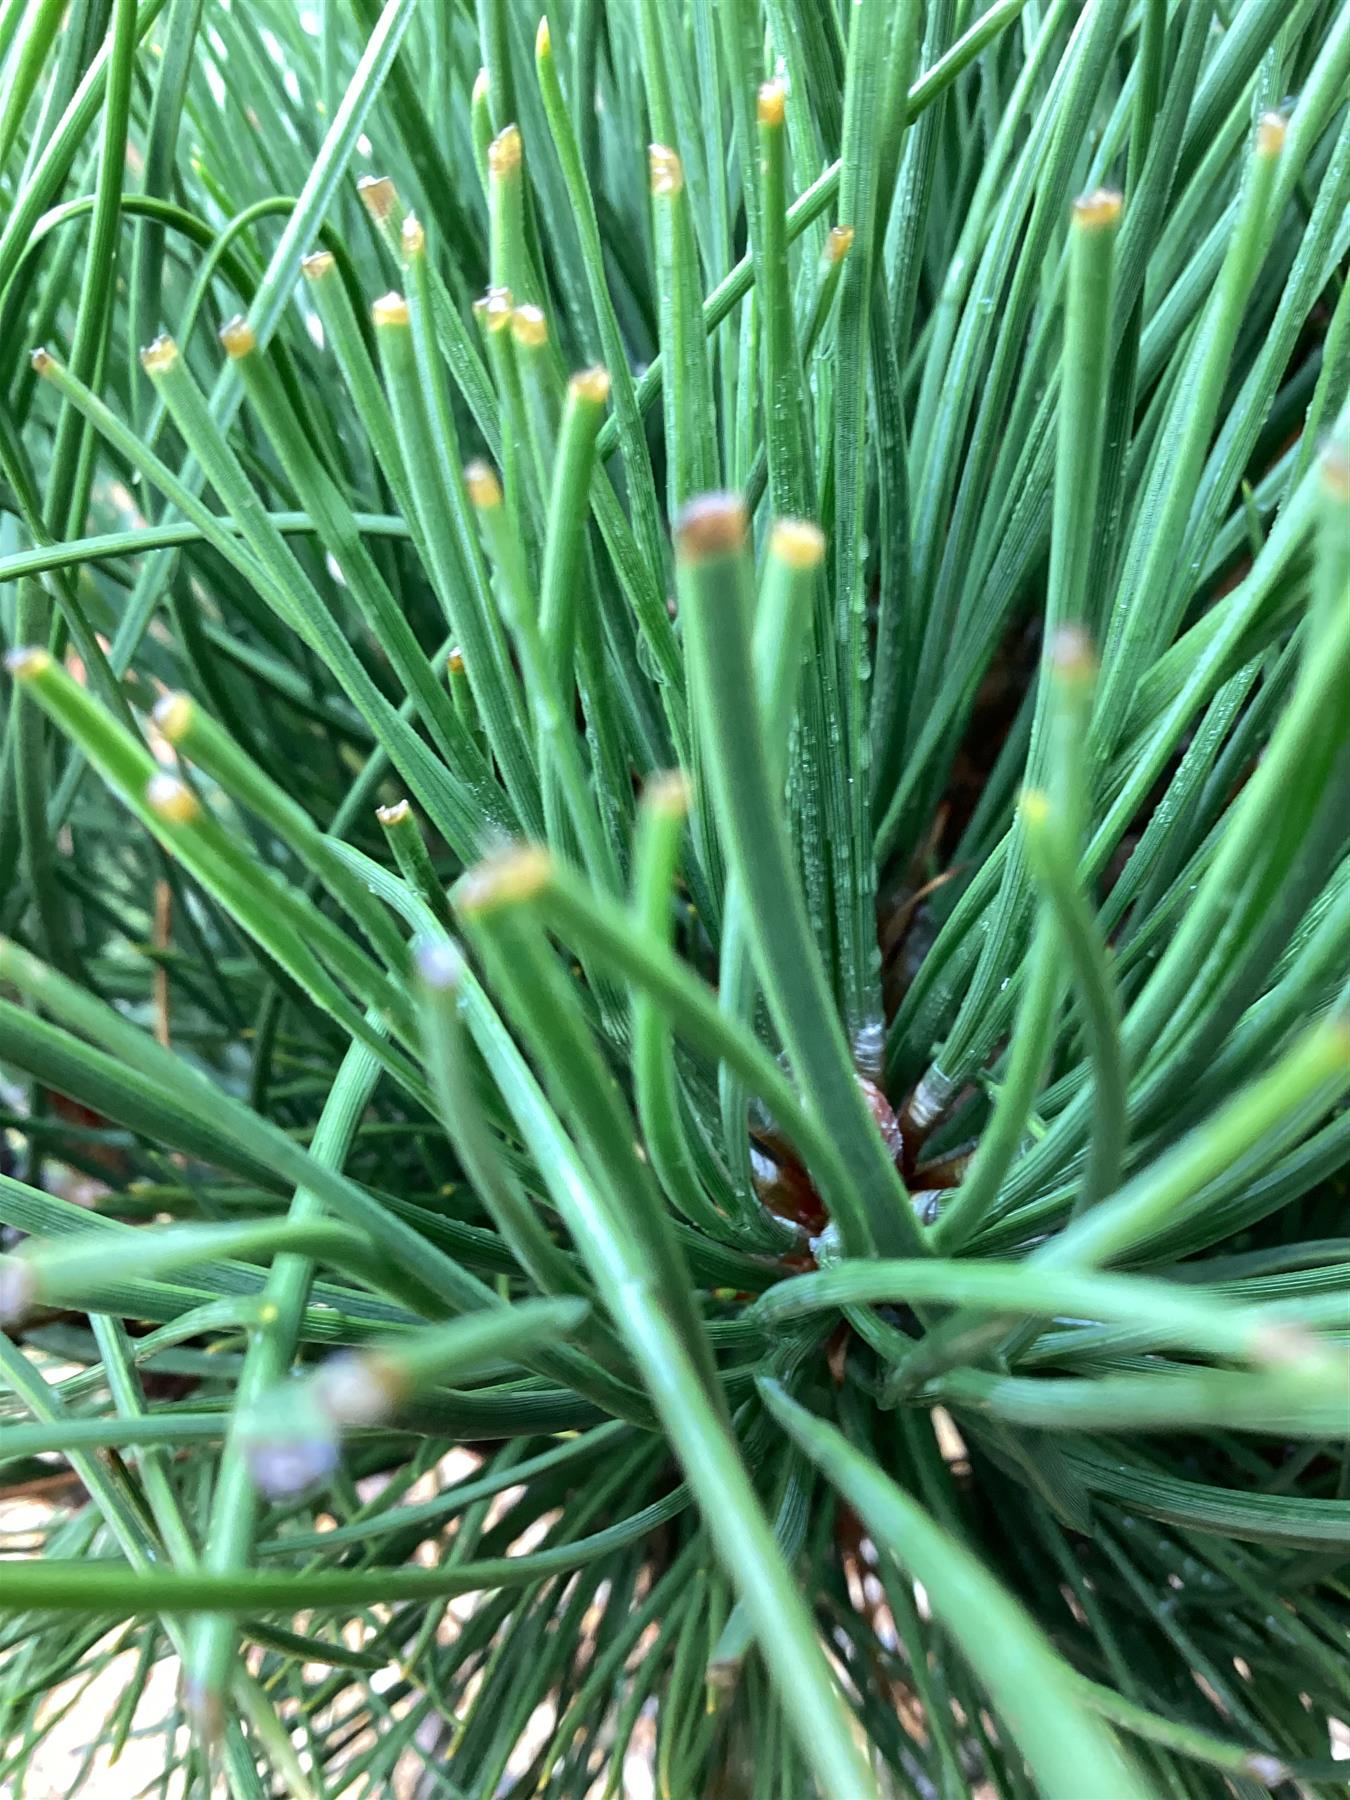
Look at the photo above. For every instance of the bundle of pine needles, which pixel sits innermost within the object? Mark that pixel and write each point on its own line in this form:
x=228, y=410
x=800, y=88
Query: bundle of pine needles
x=674, y=863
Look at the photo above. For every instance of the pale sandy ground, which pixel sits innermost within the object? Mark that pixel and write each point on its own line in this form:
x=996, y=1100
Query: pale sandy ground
x=54, y=1766
x=55, y=1763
